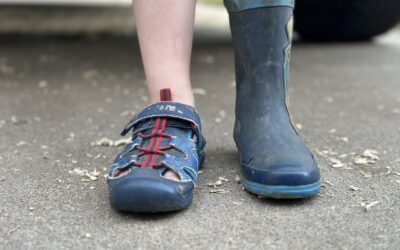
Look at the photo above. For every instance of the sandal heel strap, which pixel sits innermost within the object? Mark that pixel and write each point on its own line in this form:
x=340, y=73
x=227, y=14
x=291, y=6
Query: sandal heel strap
x=165, y=109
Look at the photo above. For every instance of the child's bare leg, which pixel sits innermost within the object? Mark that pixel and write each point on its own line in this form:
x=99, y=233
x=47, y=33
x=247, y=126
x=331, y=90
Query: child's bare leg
x=165, y=30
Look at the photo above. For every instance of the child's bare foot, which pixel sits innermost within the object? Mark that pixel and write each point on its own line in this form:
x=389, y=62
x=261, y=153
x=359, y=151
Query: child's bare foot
x=168, y=175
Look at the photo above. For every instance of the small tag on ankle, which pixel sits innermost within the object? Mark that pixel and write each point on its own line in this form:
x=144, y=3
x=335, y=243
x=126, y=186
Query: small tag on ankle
x=165, y=95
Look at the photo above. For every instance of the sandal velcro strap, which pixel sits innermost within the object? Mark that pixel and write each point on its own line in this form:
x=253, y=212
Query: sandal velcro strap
x=165, y=109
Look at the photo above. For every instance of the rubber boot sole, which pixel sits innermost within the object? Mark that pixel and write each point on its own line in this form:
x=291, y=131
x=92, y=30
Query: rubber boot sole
x=283, y=192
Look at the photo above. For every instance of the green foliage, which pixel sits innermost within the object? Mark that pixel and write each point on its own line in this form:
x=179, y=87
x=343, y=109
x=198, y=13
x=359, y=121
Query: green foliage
x=220, y=2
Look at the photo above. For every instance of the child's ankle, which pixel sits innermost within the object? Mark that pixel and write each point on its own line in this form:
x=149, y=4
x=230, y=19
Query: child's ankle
x=186, y=98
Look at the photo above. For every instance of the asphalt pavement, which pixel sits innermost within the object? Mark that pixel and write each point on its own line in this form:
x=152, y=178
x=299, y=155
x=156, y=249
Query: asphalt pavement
x=59, y=95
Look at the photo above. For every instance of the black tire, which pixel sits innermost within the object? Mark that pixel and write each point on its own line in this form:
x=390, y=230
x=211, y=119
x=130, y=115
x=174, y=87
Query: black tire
x=345, y=20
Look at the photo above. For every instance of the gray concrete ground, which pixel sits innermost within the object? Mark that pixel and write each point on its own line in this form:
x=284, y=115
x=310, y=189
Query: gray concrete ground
x=58, y=95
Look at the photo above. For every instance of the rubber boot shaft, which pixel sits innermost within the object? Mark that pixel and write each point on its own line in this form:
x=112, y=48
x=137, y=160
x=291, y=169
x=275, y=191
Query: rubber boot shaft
x=271, y=151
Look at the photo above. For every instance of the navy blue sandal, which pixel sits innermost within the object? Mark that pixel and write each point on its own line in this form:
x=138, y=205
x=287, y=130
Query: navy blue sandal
x=165, y=136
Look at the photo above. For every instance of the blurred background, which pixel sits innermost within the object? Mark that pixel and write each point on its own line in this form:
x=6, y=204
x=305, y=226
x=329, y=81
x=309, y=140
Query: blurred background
x=71, y=75
x=315, y=19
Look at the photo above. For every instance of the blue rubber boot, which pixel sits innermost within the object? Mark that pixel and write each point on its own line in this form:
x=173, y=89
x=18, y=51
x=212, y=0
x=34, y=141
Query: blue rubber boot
x=274, y=160
x=165, y=136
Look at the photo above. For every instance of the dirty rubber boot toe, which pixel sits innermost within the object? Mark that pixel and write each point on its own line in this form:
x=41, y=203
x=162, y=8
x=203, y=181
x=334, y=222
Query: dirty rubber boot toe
x=275, y=162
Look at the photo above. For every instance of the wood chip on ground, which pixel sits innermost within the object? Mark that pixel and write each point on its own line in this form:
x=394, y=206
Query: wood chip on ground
x=199, y=91
x=368, y=206
x=354, y=188
x=85, y=174
x=105, y=142
x=369, y=156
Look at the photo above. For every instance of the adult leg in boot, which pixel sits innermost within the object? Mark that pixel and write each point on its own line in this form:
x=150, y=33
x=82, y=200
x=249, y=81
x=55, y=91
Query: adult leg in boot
x=274, y=160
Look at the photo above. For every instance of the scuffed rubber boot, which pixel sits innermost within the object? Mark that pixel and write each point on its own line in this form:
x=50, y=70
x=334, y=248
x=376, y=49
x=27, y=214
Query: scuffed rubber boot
x=275, y=162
